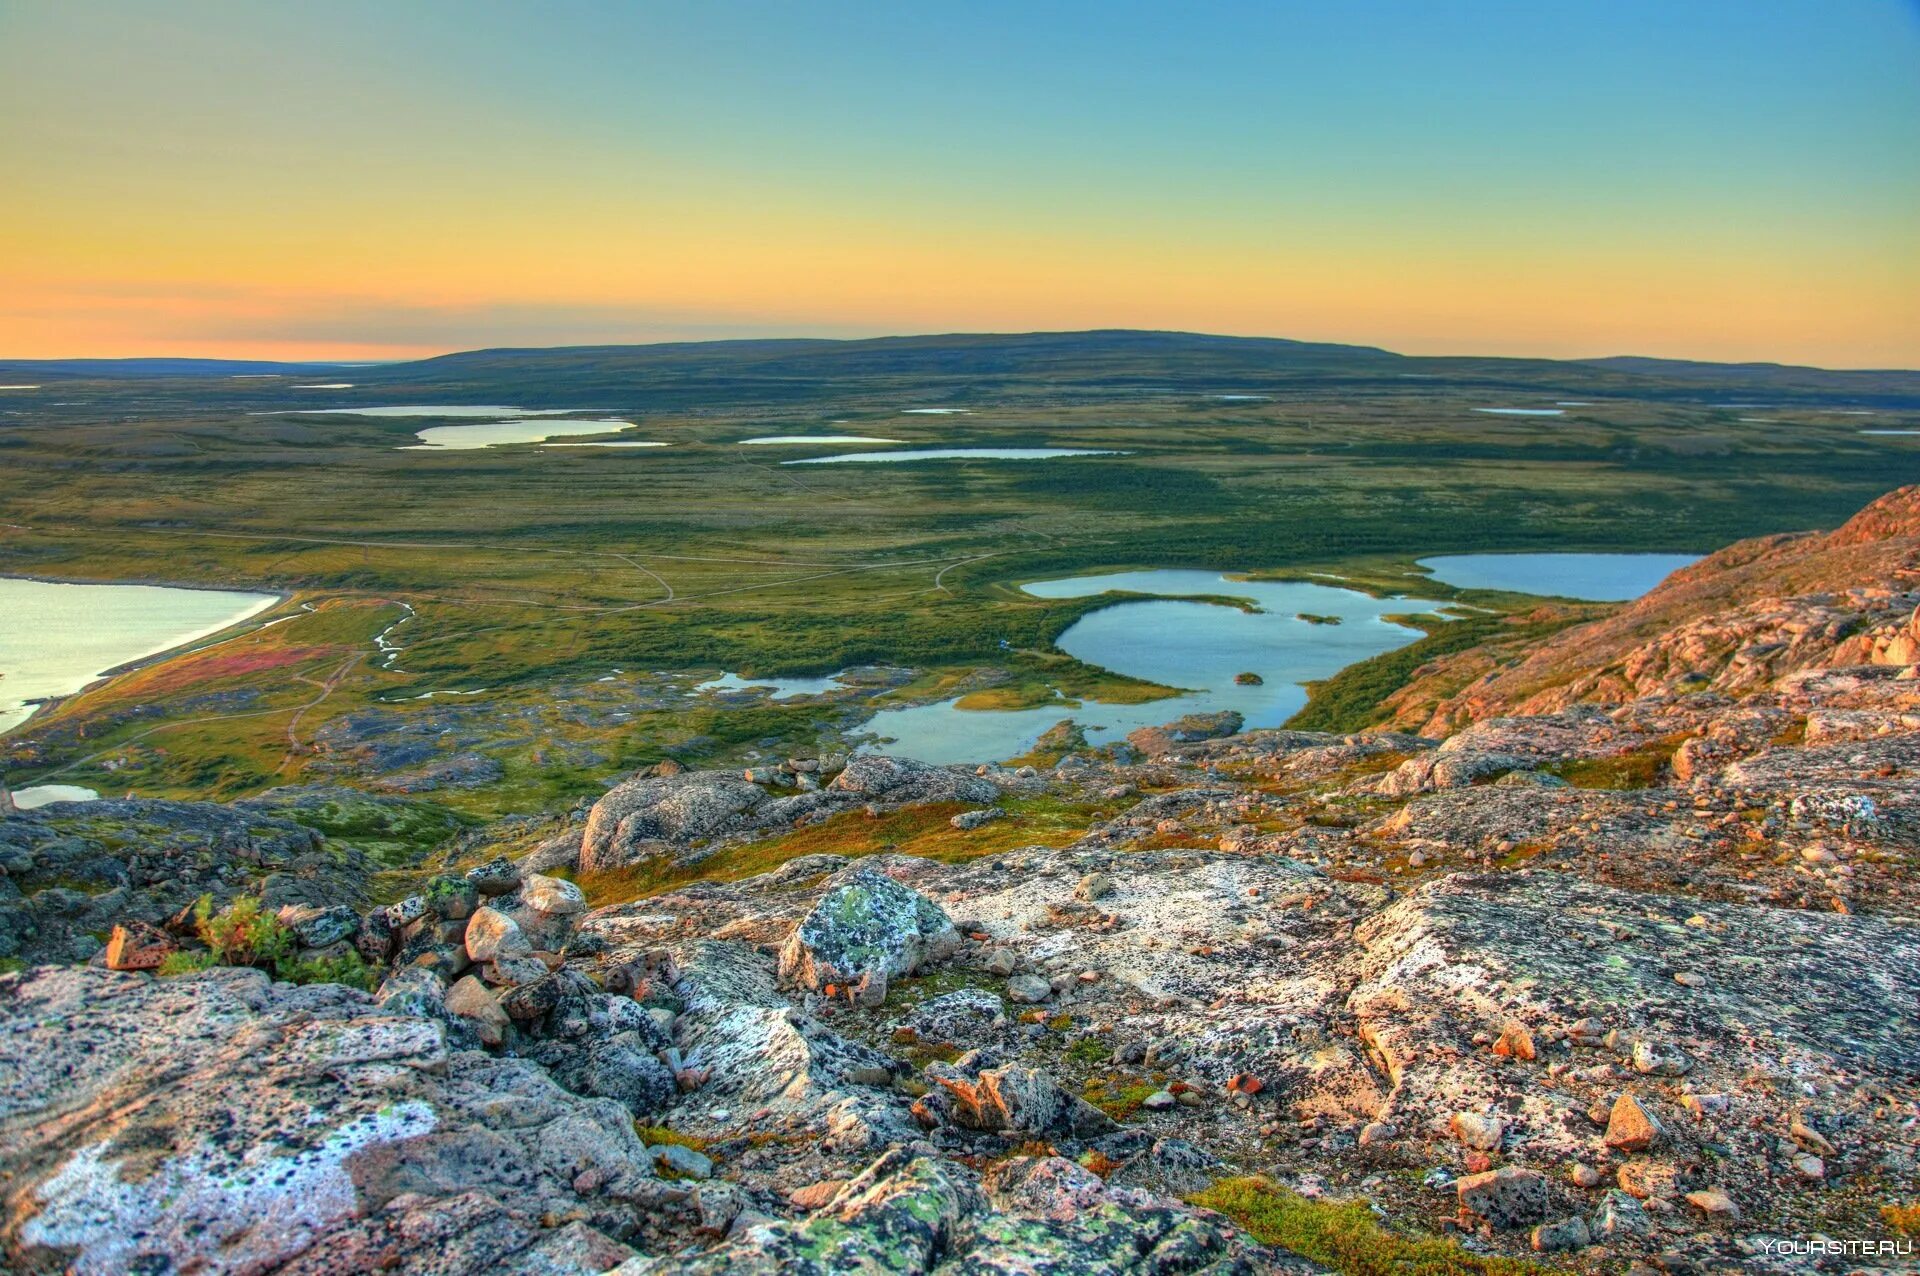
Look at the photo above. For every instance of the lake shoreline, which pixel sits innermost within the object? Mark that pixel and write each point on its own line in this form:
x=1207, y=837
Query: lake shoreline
x=40, y=706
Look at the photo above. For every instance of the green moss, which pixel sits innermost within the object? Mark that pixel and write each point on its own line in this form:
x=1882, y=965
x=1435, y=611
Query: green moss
x=1089, y=1050
x=659, y=1135
x=1119, y=1095
x=1346, y=1236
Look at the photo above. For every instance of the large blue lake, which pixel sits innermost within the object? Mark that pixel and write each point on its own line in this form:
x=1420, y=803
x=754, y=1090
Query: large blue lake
x=1593, y=577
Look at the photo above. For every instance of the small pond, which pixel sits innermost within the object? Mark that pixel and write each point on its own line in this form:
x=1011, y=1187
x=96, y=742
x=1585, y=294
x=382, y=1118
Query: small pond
x=776, y=688
x=766, y=440
x=35, y=796
x=956, y=454
x=460, y=438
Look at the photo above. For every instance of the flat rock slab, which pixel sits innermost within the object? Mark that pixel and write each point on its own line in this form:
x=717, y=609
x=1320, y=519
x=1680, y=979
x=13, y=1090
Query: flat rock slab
x=223, y=1123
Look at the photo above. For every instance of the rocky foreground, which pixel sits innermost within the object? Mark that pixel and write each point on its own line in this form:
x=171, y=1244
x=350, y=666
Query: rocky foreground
x=1628, y=976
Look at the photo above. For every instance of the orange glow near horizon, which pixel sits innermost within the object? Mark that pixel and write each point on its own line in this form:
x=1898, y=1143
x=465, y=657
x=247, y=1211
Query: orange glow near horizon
x=397, y=185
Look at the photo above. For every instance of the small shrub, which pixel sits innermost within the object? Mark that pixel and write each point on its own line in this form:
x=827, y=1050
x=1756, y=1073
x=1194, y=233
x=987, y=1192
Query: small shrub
x=348, y=968
x=185, y=963
x=242, y=934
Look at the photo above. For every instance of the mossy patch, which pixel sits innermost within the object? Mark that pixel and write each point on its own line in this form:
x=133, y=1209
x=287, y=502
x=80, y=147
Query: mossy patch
x=1346, y=1236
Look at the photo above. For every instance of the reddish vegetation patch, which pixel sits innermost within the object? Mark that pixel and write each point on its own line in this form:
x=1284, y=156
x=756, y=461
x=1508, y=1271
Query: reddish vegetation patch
x=227, y=664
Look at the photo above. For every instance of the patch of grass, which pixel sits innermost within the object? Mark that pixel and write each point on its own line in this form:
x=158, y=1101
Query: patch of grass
x=1643, y=768
x=658, y=1135
x=1089, y=1050
x=1904, y=1220
x=1119, y=1095
x=925, y=831
x=1346, y=1236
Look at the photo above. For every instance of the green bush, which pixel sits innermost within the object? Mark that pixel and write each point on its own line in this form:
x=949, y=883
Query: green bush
x=245, y=934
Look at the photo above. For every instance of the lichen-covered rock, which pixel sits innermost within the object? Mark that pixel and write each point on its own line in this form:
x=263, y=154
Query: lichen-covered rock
x=491, y=934
x=654, y=816
x=921, y=1216
x=865, y=931
x=221, y=1123
x=905, y=780
x=1506, y=1198
x=1009, y=1099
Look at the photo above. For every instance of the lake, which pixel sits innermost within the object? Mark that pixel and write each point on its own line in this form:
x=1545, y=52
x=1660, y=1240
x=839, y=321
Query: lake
x=1522, y=411
x=461, y=438
x=1199, y=646
x=61, y=636
x=39, y=795
x=451, y=411
x=956, y=454
x=783, y=439
x=776, y=688
x=1593, y=577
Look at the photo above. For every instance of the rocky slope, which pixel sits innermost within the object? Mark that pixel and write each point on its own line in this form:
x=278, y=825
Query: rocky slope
x=1620, y=970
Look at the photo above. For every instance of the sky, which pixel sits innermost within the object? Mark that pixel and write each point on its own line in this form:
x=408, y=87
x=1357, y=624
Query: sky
x=1717, y=179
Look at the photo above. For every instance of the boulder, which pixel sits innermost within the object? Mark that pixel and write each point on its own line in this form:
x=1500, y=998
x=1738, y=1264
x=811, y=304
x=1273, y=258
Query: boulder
x=492, y=935
x=498, y=876
x=865, y=932
x=554, y=896
x=1008, y=1099
x=906, y=780
x=655, y=816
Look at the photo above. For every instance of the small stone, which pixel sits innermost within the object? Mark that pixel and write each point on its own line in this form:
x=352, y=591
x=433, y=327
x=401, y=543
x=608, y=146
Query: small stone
x=681, y=1160
x=492, y=934
x=1159, y=1101
x=1515, y=1042
x=1483, y=1133
x=1568, y=1233
x=815, y=1195
x=1092, y=887
x=552, y=895
x=1619, y=1217
x=497, y=876
x=1028, y=989
x=474, y=1001
x=1505, y=1198
x=1001, y=962
x=1656, y=1059
x=1809, y=1167
x=1714, y=1203
x=1630, y=1127
x=1584, y=1175
x=1376, y=1132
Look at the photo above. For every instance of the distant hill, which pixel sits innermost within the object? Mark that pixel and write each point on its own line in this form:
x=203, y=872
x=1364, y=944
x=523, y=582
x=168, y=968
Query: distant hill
x=1761, y=374
x=957, y=365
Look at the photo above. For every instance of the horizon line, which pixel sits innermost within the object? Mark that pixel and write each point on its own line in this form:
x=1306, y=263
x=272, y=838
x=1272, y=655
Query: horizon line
x=934, y=335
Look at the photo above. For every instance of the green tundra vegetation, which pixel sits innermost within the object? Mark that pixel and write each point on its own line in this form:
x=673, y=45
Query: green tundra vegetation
x=530, y=575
